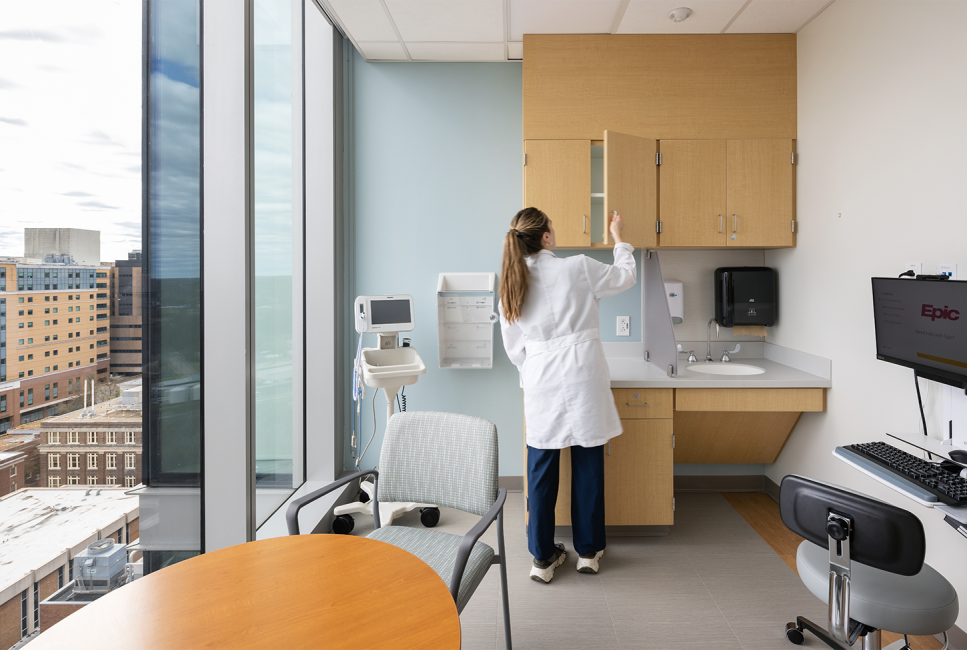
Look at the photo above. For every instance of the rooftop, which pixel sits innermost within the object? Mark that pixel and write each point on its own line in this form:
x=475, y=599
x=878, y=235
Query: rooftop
x=111, y=411
x=38, y=524
x=15, y=440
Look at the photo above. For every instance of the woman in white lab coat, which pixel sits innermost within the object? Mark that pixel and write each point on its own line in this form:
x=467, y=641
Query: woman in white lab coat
x=549, y=322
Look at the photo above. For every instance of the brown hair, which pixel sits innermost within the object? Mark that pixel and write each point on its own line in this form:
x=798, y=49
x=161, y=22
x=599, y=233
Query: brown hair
x=524, y=238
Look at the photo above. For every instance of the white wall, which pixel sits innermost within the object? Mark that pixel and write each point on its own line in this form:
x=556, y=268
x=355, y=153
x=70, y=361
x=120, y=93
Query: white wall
x=882, y=141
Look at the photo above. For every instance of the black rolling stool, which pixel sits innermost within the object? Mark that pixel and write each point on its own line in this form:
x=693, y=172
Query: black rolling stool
x=863, y=558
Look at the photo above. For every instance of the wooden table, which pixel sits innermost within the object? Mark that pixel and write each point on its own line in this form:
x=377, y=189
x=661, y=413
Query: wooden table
x=307, y=591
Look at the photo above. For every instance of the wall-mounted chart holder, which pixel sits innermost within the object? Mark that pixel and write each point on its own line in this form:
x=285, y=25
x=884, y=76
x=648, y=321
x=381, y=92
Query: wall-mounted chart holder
x=465, y=320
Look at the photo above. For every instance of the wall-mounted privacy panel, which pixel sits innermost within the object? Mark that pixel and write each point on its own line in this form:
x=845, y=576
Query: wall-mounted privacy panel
x=659, y=86
x=659, y=335
x=465, y=319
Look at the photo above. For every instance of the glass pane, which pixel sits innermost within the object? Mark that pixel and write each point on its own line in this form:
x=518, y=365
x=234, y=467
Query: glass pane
x=276, y=223
x=173, y=248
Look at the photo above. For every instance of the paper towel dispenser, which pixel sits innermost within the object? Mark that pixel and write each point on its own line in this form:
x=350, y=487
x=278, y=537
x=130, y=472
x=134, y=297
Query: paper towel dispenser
x=746, y=295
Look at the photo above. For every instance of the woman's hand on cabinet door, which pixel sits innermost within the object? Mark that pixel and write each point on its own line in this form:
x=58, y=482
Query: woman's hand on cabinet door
x=617, y=225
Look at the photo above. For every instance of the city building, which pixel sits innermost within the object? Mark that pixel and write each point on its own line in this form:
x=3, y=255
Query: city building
x=42, y=531
x=99, y=445
x=125, y=327
x=11, y=471
x=75, y=245
x=55, y=319
x=27, y=444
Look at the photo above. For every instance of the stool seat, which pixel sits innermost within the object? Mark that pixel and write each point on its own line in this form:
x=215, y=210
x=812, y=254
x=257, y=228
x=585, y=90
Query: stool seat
x=918, y=605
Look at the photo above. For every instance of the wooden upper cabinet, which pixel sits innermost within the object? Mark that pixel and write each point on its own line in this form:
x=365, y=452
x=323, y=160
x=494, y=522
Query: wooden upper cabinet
x=761, y=199
x=557, y=180
x=693, y=193
x=631, y=187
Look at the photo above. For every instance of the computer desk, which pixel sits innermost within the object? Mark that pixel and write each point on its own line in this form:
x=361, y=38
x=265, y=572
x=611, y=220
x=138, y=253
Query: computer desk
x=910, y=489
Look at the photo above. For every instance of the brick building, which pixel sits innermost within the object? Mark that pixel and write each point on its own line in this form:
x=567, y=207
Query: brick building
x=56, y=322
x=94, y=446
x=125, y=326
x=29, y=445
x=42, y=531
x=11, y=471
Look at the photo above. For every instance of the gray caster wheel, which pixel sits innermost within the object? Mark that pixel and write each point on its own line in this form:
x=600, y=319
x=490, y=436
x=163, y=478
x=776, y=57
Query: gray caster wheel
x=430, y=517
x=343, y=525
x=794, y=634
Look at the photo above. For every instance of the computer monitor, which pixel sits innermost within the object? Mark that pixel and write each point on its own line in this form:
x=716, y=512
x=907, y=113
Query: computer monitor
x=384, y=313
x=922, y=324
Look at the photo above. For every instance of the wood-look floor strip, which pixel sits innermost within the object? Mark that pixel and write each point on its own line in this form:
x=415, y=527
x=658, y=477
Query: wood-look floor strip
x=762, y=513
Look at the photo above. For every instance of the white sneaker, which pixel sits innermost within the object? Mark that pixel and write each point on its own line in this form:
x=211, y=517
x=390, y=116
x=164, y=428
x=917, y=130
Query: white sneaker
x=543, y=570
x=589, y=563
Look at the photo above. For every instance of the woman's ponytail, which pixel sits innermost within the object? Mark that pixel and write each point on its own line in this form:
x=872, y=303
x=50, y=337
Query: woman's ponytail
x=524, y=238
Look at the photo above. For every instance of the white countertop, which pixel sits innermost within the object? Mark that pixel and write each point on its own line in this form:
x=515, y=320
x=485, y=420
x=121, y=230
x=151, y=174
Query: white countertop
x=629, y=372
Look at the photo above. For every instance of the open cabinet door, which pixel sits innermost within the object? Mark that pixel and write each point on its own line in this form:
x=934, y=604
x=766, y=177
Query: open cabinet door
x=631, y=187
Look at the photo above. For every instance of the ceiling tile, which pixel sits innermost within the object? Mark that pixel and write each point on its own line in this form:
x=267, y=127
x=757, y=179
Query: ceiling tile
x=365, y=20
x=515, y=51
x=456, y=51
x=776, y=16
x=562, y=17
x=651, y=16
x=389, y=51
x=448, y=20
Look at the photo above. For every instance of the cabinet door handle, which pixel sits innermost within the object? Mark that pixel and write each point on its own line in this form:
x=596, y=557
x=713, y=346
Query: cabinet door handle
x=630, y=404
x=720, y=223
x=584, y=229
x=735, y=222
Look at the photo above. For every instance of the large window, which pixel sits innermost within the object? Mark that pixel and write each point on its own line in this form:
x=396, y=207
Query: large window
x=278, y=267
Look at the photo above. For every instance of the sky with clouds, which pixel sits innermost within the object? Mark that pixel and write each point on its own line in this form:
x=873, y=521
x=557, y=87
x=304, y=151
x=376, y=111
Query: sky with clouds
x=70, y=120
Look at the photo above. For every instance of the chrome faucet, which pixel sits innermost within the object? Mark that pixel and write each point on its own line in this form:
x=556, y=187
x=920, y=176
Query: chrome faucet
x=708, y=338
x=691, y=354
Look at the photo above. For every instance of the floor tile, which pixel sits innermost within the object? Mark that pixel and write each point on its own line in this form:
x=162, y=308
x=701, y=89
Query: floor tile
x=579, y=635
x=710, y=633
x=478, y=637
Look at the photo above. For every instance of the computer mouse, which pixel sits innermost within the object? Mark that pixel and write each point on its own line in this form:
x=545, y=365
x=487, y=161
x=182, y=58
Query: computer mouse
x=959, y=455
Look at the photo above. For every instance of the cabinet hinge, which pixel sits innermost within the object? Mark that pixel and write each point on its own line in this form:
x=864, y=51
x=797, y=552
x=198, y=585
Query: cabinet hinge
x=658, y=226
x=658, y=158
x=793, y=157
x=673, y=441
x=525, y=160
x=794, y=225
x=673, y=504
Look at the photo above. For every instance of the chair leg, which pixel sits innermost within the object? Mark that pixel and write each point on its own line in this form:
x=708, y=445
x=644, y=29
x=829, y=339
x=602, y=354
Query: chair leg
x=503, y=579
x=872, y=640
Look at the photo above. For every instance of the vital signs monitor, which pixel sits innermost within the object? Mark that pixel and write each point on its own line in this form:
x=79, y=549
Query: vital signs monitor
x=384, y=314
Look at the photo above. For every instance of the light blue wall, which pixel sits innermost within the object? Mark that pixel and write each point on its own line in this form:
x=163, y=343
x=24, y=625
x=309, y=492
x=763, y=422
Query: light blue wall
x=437, y=180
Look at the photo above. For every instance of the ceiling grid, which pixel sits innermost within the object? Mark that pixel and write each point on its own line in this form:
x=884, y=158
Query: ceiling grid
x=492, y=30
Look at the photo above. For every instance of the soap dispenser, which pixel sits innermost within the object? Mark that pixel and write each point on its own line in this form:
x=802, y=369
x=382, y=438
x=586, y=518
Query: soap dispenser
x=674, y=294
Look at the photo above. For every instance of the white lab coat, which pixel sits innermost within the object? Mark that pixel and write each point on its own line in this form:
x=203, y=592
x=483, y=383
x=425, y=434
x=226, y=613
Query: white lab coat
x=557, y=348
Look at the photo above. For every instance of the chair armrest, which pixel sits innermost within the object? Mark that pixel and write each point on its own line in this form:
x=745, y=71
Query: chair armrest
x=466, y=545
x=292, y=512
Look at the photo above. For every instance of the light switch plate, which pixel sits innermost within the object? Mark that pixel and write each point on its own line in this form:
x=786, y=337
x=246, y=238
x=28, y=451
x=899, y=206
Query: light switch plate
x=624, y=325
x=949, y=270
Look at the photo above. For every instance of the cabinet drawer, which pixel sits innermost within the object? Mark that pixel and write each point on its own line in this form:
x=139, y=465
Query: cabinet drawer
x=643, y=403
x=750, y=399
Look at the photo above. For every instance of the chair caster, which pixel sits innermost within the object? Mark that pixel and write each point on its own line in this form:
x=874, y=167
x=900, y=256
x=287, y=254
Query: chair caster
x=362, y=497
x=430, y=517
x=343, y=525
x=794, y=634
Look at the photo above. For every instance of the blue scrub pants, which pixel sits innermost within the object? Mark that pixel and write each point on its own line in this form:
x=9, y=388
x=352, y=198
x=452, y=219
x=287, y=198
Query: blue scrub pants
x=587, y=499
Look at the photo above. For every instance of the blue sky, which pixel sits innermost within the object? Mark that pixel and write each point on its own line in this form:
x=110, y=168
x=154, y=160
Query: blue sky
x=70, y=120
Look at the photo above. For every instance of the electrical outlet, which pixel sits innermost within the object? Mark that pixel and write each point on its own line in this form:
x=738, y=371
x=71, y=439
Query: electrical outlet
x=916, y=267
x=949, y=270
x=624, y=325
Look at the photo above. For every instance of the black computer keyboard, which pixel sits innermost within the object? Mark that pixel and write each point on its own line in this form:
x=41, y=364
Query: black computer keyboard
x=949, y=487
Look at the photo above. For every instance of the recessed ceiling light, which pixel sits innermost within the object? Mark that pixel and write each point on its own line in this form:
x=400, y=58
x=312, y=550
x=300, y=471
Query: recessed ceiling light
x=680, y=14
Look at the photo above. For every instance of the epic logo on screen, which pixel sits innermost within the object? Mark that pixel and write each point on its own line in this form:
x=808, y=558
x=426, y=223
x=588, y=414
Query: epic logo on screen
x=943, y=313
